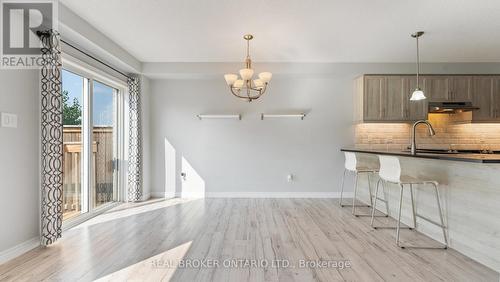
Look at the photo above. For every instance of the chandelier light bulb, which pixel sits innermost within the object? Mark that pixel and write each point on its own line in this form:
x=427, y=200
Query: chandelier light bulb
x=265, y=76
x=246, y=74
x=238, y=83
x=259, y=84
x=230, y=78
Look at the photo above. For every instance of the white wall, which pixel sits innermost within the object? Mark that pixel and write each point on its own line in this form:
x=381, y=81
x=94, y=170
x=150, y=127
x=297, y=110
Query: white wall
x=253, y=157
x=19, y=158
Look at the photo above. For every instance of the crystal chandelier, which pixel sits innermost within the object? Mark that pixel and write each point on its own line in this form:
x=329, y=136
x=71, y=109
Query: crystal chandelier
x=245, y=87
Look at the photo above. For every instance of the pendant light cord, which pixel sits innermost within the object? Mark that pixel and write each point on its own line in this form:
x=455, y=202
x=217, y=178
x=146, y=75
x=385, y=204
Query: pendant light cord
x=248, y=48
x=418, y=64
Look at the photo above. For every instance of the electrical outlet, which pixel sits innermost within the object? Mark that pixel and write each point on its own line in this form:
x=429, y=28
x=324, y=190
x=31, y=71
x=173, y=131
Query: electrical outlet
x=9, y=120
x=289, y=178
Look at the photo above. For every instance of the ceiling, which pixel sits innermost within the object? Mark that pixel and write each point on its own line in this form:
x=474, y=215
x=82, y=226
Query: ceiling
x=298, y=30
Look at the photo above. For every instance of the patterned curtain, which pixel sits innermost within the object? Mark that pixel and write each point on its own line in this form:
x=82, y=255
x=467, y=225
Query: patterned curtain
x=135, y=142
x=51, y=138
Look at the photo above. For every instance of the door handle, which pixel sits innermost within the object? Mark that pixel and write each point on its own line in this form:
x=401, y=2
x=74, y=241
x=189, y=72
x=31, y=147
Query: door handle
x=183, y=175
x=114, y=163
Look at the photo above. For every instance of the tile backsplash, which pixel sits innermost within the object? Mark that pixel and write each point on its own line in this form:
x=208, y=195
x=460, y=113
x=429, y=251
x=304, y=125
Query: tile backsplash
x=450, y=134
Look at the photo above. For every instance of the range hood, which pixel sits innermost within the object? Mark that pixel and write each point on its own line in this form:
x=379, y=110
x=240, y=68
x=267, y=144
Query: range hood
x=450, y=107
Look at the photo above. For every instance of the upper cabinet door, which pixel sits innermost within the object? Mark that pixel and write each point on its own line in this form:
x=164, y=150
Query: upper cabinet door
x=436, y=88
x=373, y=96
x=414, y=110
x=461, y=88
x=482, y=97
x=393, y=106
x=496, y=97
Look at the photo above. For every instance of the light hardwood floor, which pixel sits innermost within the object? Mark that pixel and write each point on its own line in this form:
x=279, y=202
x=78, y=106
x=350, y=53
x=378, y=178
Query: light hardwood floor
x=142, y=242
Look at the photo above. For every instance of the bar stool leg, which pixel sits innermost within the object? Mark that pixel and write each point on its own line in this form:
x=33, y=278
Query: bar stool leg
x=399, y=214
x=354, y=196
x=374, y=206
x=342, y=187
x=385, y=199
x=441, y=215
x=413, y=208
x=370, y=189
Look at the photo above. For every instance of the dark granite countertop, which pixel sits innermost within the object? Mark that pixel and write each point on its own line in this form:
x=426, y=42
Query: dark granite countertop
x=461, y=157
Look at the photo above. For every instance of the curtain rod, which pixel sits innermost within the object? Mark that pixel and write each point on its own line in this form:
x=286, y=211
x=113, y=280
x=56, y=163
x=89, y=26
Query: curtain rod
x=94, y=58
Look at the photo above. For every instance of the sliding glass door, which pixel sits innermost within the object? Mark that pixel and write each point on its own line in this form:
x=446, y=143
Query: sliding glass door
x=104, y=139
x=73, y=92
x=90, y=140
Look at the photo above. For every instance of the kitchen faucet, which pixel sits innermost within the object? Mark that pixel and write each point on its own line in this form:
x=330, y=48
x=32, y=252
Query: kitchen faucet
x=413, y=136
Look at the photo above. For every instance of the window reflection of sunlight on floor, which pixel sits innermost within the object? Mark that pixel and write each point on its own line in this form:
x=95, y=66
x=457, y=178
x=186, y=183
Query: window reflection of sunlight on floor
x=193, y=186
x=118, y=212
x=156, y=268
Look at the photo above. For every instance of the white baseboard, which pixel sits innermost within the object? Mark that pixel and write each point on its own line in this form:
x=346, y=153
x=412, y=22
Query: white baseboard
x=19, y=249
x=316, y=195
x=165, y=195
x=146, y=196
x=276, y=195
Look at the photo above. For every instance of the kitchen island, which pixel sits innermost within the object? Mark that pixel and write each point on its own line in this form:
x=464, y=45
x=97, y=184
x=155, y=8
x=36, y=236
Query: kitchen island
x=470, y=194
x=428, y=154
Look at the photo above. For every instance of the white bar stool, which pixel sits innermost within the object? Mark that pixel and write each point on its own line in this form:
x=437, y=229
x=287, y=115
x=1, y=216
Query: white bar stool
x=390, y=172
x=351, y=165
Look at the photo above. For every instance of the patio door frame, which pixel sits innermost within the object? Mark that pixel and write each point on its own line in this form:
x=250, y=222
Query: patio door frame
x=91, y=74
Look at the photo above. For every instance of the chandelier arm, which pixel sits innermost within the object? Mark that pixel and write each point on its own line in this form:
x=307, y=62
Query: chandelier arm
x=261, y=91
x=249, y=91
x=235, y=94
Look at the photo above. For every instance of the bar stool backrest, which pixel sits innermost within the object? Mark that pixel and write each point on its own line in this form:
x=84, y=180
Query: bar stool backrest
x=390, y=168
x=350, y=161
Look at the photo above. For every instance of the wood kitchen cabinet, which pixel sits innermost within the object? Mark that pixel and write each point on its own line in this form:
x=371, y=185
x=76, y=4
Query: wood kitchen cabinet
x=436, y=88
x=447, y=88
x=496, y=97
x=387, y=99
x=393, y=100
x=373, y=89
x=460, y=88
x=486, y=96
x=379, y=99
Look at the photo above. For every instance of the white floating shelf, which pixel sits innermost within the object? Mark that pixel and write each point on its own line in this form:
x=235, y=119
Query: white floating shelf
x=301, y=116
x=237, y=116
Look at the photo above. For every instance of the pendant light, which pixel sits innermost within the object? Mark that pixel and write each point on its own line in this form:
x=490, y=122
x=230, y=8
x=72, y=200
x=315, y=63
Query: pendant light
x=418, y=93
